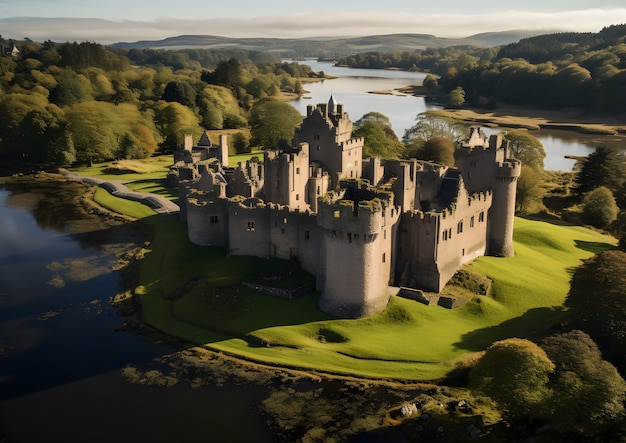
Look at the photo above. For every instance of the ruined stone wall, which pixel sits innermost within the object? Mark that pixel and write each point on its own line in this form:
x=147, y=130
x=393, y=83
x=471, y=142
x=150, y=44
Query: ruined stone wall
x=248, y=227
x=373, y=170
x=207, y=220
x=286, y=177
x=247, y=179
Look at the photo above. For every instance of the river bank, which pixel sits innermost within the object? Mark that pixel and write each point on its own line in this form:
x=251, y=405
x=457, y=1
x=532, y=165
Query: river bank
x=523, y=117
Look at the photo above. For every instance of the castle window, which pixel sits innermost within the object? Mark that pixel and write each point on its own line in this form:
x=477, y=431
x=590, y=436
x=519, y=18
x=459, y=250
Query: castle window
x=481, y=217
x=318, y=148
x=307, y=236
x=282, y=231
x=450, y=233
x=384, y=257
x=316, y=137
x=336, y=214
x=285, y=220
x=349, y=238
x=444, y=235
x=213, y=219
x=297, y=197
x=318, y=190
x=250, y=226
x=459, y=227
x=297, y=170
x=472, y=222
x=385, y=234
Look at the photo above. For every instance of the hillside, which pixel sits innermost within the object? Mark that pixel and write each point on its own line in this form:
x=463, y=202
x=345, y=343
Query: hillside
x=329, y=47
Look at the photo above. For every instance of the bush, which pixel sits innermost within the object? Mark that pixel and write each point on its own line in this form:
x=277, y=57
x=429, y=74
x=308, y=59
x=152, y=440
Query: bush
x=599, y=208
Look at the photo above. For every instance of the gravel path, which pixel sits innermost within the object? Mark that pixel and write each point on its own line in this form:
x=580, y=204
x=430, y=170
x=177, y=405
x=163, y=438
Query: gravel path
x=158, y=203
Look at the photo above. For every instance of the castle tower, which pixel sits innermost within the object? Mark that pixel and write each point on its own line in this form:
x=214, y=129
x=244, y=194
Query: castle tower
x=328, y=131
x=502, y=212
x=485, y=164
x=355, y=269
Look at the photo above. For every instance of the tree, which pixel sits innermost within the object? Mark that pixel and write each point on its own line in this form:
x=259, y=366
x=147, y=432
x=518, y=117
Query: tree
x=380, y=140
x=526, y=148
x=430, y=82
x=515, y=373
x=180, y=91
x=93, y=131
x=597, y=297
x=241, y=143
x=428, y=125
x=588, y=392
x=436, y=149
x=272, y=120
x=529, y=191
x=599, y=208
x=46, y=137
x=603, y=167
x=456, y=98
x=173, y=121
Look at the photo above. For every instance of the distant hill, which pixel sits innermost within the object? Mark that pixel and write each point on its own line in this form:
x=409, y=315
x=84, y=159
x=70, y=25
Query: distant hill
x=330, y=47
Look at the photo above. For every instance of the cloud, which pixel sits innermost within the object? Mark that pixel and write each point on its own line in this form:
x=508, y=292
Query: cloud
x=310, y=25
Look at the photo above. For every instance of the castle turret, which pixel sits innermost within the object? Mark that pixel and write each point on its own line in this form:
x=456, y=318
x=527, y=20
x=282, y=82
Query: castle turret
x=502, y=212
x=356, y=251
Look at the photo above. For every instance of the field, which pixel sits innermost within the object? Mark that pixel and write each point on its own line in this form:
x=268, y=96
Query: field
x=194, y=293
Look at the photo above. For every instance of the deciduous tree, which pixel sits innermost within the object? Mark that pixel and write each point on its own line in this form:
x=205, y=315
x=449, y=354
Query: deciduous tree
x=272, y=120
x=526, y=148
x=379, y=138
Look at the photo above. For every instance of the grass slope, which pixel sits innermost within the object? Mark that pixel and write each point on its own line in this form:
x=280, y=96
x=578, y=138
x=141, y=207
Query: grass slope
x=193, y=293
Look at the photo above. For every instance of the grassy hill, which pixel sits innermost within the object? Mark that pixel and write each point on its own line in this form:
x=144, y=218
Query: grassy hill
x=329, y=47
x=194, y=293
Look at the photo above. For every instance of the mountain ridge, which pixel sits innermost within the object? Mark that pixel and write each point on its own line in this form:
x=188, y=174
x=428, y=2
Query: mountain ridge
x=326, y=46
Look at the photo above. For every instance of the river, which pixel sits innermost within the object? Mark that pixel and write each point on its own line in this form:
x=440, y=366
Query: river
x=61, y=347
x=353, y=87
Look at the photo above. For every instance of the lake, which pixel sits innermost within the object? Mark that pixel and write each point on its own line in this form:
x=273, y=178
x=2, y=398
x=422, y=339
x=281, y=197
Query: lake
x=353, y=88
x=61, y=347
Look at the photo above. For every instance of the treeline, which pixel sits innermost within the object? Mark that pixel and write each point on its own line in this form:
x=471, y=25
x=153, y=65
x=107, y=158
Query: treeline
x=67, y=102
x=554, y=70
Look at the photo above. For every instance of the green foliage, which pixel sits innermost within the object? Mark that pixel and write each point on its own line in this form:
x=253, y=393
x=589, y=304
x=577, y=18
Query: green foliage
x=599, y=208
x=456, y=97
x=526, y=148
x=428, y=125
x=271, y=121
x=181, y=92
x=603, y=167
x=436, y=149
x=588, y=392
x=529, y=190
x=241, y=143
x=515, y=373
x=430, y=82
x=379, y=138
x=599, y=304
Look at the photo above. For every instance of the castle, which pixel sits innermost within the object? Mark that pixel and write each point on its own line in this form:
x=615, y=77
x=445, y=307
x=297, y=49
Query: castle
x=360, y=226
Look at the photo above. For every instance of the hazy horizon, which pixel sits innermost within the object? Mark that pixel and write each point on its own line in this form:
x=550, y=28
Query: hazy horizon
x=115, y=21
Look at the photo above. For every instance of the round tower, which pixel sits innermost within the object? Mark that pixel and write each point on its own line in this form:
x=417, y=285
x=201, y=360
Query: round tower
x=502, y=210
x=356, y=255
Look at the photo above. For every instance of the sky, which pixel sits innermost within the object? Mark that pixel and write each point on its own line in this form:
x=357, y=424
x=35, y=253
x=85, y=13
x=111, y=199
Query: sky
x=111, y=21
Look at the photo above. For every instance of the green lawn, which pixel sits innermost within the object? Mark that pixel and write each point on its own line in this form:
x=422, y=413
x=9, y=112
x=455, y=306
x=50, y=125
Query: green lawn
x=193, y=293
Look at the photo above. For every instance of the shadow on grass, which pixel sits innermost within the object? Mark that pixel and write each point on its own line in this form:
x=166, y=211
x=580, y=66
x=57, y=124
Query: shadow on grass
x=593, y=247
x=158, y=186
x=534, y=324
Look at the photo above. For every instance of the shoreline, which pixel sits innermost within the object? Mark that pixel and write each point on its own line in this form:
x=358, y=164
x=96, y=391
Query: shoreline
x=532, y=119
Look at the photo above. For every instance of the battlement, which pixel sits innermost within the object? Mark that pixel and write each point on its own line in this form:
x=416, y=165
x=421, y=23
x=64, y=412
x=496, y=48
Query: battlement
x=510, y=168
x=353, y=143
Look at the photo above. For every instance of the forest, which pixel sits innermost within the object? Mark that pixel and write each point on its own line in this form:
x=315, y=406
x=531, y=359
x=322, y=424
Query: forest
x=585, y=70
x=62, y=103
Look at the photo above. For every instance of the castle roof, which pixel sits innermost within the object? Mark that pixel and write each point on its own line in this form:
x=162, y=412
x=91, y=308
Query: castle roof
x=332, y=104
